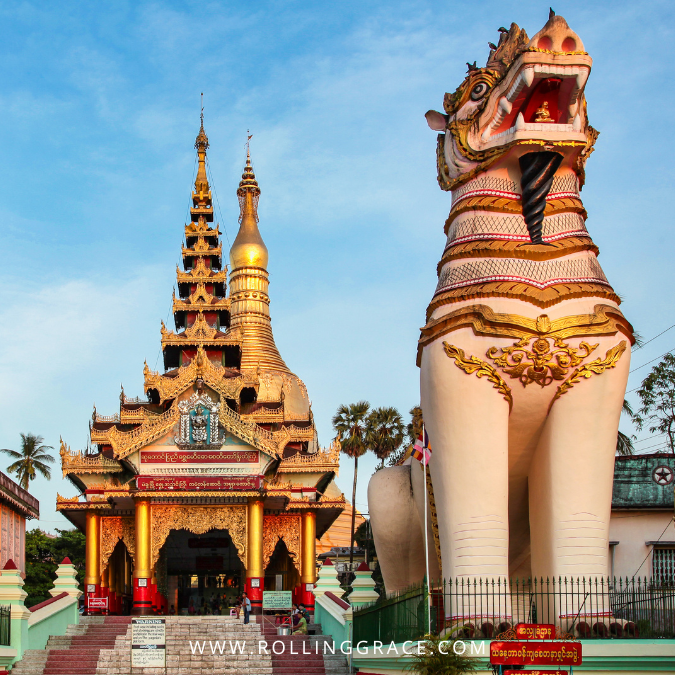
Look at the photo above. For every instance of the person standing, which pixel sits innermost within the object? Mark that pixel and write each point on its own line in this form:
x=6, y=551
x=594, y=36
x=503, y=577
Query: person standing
x=246, y=603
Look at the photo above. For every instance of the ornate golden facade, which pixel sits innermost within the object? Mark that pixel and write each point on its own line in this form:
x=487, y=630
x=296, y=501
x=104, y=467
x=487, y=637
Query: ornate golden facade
x=224, y=434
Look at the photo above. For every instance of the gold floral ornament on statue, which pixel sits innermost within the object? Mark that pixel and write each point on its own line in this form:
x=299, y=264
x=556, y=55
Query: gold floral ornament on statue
x=547, y=359
x=473, y=365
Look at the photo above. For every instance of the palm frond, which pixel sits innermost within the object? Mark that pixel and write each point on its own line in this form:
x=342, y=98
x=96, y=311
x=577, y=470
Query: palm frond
x=43, y=458
x=14, y=467
x=43, y=470
x=624, y=445
x=11, y=453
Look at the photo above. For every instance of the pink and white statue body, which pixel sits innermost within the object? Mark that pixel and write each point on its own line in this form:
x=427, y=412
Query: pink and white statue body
x=525, y=355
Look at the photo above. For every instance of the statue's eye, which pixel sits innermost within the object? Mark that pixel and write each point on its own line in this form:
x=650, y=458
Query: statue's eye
x=479, y=91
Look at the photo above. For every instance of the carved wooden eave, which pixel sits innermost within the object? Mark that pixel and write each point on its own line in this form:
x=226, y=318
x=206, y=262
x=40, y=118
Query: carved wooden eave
x=214, y=377
x=78, y=462
x=293, y=434
x=200, y=333
x=318, y=462
x=278, y=415
x=201, y=227
x=125, y=416
x=203, y=248
x=74, y=503
x=124, y=443
x=249, y=432
x=201, y=272
x=200, y=300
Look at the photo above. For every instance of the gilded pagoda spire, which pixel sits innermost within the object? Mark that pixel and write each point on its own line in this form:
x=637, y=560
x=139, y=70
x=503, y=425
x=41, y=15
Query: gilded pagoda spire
x=201, y=197
x=201, y=145
x=249, y=282
x=249, y=249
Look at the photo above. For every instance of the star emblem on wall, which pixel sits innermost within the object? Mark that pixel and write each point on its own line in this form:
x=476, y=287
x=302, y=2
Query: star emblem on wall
x=663, y=475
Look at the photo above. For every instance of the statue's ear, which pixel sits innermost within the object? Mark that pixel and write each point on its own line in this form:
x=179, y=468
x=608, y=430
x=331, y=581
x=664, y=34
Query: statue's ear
x=436, y=120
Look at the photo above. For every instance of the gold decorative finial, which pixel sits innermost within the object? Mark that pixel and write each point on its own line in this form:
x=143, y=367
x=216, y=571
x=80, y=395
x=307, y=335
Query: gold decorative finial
x=248, y=249
x=201, y=144
x=248, y=186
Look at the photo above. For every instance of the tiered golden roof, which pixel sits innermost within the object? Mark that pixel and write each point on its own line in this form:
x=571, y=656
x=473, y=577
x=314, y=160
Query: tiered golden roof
x=223, y=344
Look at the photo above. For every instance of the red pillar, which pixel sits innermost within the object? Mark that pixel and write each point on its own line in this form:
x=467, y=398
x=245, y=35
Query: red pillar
x=142, y=597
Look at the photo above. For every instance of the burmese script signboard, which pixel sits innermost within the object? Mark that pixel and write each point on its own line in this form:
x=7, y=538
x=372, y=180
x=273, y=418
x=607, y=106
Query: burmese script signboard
x=97, y=603
x=196, y=483
x=200, y=457
x=148, y=643
x=535, y=653
x=535, y=631
x=278, y=600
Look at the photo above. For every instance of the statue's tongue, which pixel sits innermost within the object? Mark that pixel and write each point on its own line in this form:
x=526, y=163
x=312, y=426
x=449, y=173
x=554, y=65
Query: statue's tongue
x=538, y=170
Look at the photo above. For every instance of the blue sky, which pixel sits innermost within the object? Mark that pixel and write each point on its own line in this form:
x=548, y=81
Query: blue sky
x=99, y=109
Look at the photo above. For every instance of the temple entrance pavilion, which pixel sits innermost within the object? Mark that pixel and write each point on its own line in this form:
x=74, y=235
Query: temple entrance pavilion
x=214, y=482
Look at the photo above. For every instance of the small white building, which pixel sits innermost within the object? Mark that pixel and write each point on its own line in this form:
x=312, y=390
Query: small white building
x=641, y=529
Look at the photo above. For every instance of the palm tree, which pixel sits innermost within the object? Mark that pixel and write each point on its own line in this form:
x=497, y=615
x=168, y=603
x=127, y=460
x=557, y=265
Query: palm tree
x=34, y=456
x=414, y=428
x=385, y=432
x=350, y=424
x=624, y=443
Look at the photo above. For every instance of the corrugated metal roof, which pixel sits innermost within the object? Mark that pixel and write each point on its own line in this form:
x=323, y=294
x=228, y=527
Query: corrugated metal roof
x=645, y=482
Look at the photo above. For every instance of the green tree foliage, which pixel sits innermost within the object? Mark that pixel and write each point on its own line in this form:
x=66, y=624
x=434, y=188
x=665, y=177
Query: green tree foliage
x=385, y=432
x=439, y=658
x=364, y=538
x=413, y=430
x=657, y=398
x=31, y=459
x=350, y=424
x=44, y=554
x=624, y=443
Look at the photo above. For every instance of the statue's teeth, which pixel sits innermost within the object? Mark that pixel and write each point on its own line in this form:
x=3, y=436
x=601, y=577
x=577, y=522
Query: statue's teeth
x=520, y=122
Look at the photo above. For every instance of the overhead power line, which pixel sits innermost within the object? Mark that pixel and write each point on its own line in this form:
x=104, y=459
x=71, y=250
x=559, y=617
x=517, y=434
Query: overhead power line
x=654, y=338
x=652, y=361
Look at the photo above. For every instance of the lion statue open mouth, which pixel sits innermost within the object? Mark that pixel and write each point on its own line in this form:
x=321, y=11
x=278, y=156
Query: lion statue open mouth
x=530, y=93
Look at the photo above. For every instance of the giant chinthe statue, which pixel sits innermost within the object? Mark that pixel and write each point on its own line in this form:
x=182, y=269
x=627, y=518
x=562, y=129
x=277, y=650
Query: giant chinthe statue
x=525, y=354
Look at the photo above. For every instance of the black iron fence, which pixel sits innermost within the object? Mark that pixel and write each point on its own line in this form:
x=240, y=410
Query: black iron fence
x=5, y=625
x=484, y=608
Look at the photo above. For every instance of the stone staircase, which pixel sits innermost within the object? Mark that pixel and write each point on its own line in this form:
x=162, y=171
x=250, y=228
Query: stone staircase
x=194, y=645
x=303, y=654
x=78, y=651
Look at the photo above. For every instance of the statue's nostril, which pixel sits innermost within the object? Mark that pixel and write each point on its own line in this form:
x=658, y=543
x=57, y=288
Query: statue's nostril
x=545, y=42
x=569, y=44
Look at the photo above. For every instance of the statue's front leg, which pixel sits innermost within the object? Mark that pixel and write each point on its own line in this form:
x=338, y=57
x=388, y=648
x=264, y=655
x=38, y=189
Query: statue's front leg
x=466, y=407
x=570, y=482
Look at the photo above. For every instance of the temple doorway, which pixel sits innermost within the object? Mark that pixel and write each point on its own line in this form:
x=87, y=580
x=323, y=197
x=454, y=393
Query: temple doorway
x=204, y=574
x=280, y=573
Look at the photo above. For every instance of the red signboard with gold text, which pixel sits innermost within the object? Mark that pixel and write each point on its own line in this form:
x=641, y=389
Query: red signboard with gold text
x=535, y=631
x=538, y=672
x=195, y=483
x=535, y=653
x=200, y=457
